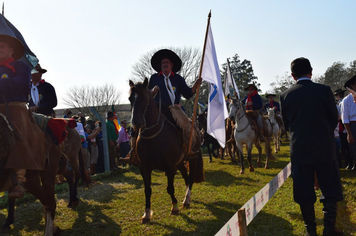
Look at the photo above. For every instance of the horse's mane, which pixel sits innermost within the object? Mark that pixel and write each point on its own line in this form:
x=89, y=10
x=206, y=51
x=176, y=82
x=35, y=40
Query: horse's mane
x=247, y=116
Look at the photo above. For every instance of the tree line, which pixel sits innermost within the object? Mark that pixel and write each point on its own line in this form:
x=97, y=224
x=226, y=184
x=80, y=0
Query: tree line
x=81, y=98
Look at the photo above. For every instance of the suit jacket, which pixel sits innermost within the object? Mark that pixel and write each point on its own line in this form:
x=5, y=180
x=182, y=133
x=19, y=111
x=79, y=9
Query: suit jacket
x=48, y=99
x=310, y=115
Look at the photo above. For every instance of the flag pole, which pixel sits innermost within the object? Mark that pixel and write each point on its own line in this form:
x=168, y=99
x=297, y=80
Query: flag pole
x=233, y=84
x=197, y=89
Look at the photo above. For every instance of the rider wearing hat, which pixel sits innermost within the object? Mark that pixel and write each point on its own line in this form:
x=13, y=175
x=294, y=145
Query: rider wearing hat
x=253, y=102
x=170, y=85
x=272, y=103
x=43, y=97
x=28, y=151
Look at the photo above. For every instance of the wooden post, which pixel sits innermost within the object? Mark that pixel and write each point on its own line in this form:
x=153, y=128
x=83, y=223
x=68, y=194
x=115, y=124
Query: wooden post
x=197, y=89
x=242, y=221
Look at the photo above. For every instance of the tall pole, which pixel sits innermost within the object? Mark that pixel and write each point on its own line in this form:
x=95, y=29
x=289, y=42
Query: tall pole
x=197, y=90
x=233, y=84
x=3, y=8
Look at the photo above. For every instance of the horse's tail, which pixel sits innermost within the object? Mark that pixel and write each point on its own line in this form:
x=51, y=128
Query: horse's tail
x=196, y=167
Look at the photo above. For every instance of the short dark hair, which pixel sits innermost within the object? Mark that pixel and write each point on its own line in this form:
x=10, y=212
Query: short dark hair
x=300, y=67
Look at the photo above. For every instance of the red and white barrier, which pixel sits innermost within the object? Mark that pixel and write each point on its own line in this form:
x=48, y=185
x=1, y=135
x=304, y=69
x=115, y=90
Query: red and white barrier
x=256, y=203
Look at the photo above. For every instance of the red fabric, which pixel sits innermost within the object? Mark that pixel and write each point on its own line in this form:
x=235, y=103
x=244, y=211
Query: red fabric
x=42, y=81
x=58, y=128
x=161, y=73
x=72, y=123
x=7, y=64
x=249, y=96
x=341, y=128
x=271, y=105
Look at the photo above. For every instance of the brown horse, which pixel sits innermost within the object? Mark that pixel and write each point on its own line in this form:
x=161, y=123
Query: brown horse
x=72, y=153
x=39, y=183
x=160, y=146
x=230, y=141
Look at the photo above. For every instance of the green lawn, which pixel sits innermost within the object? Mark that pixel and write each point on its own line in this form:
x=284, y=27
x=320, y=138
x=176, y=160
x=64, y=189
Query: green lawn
x=115, y=205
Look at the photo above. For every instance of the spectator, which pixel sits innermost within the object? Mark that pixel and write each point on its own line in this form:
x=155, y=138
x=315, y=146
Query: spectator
x=348, y=117
x=312, y=146
x=113, y=135
x=124, y=140
x=92, y=146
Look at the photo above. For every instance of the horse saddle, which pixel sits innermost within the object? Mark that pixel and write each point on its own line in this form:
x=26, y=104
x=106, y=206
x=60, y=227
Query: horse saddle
x=184, y=123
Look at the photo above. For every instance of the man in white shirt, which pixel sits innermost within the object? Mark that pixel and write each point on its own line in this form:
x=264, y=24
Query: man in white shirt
x=348, y=117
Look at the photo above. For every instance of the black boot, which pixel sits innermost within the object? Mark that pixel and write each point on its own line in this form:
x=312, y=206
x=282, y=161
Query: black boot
x=309, y=218
x=330, y=210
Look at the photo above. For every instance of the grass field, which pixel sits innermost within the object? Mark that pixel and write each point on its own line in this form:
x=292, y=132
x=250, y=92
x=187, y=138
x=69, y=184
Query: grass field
x=114, y=205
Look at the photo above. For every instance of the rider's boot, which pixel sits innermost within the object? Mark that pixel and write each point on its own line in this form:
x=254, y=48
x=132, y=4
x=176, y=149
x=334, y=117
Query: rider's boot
x=132, y=157
x=18, y=191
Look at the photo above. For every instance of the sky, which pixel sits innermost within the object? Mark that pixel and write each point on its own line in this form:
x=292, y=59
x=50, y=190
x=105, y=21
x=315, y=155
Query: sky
x=87, y=42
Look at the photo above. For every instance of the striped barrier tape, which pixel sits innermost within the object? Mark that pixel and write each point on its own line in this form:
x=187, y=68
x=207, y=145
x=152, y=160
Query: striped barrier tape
x=256, y=203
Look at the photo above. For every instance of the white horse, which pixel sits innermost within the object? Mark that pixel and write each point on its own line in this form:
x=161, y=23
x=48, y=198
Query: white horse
x=276, y=130
x=245, y=134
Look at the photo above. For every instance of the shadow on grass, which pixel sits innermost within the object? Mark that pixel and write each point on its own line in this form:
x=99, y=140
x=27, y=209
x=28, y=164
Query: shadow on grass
x=223, y=178
x=91, y=220
x=223, y=211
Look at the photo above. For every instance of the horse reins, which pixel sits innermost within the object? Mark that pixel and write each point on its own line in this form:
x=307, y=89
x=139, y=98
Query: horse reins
x=239, y=118
x=152, y=126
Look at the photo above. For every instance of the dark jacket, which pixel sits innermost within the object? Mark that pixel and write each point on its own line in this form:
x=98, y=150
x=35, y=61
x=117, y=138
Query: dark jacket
x=310, y=115
x=275, y=104
x=256, y=102
x=178, y=84
x=48, y=99
x=15, y=86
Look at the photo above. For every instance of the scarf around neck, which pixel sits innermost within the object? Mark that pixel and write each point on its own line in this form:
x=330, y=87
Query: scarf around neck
x=7, y=62
x=249, y=98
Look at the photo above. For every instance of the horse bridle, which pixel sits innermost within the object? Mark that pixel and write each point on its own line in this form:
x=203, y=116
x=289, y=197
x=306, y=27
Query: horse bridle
x=152, y=126
x=239, y=118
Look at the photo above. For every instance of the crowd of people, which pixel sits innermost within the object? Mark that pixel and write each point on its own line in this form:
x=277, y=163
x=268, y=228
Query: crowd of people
x=322, y=134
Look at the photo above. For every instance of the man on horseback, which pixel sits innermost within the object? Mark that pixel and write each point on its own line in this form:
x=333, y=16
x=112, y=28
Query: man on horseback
x=253, y=102
x=28, y=150
x=272, y=104
x=170, y=85
x=43, y=95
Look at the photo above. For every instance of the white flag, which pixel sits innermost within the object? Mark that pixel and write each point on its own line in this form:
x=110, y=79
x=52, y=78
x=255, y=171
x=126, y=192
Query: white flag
x=230, y=85
x=217, y=111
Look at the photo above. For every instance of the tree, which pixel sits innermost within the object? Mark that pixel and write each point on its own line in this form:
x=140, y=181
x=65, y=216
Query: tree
x=86, y=96
x=242, y=73
x=335, y=76
x=282, y=83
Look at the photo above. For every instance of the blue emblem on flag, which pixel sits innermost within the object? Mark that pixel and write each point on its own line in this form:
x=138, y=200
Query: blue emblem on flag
x=214, y=93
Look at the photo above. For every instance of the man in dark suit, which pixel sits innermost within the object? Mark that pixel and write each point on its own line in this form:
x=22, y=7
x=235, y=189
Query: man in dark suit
x=310, y=115
x=42, y=96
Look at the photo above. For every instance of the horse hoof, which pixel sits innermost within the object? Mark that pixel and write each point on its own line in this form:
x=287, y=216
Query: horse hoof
x=174, y=213
x=186, y=205
x=210, y=161
x=74, y=203
x=242, y=172
x=57, y=231
x=266, y=167
x=145, y=221
x=251, y=169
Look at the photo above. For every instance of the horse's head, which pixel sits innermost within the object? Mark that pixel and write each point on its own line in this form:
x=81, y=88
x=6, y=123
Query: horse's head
x=202, y=120
x=139, y=100
x=270, y=112
x=235, y=109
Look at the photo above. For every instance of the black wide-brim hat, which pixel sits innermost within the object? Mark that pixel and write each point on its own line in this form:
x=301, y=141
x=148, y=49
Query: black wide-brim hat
x=39, y=69
x=166, y=54
x=250, y=85
x=350, y=81
x=339, y=91
x=270, y=94
x=8, y=36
